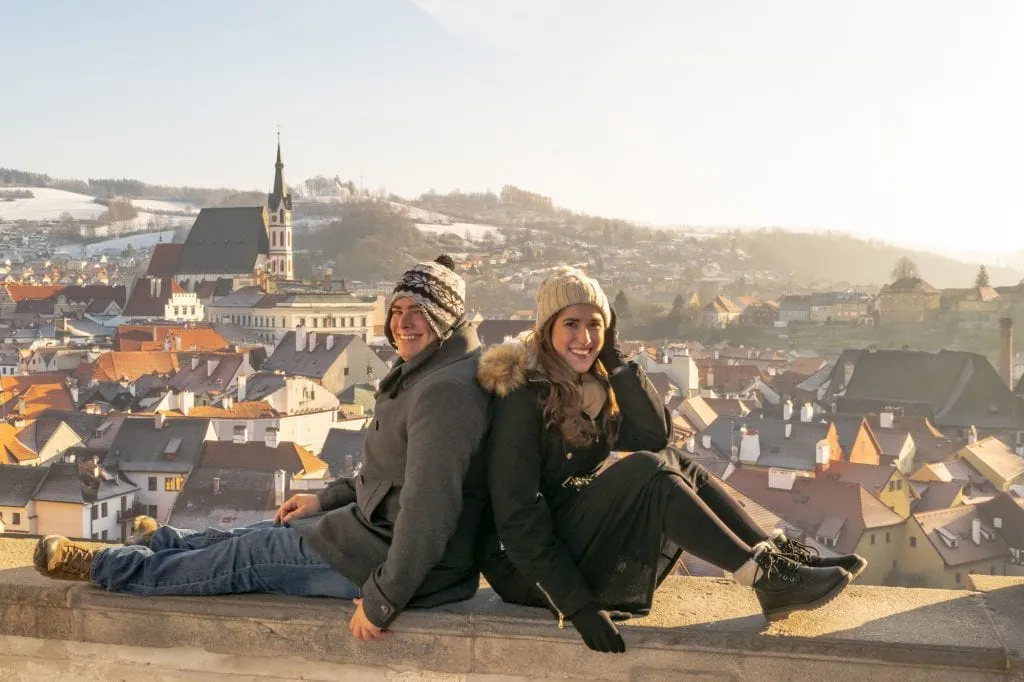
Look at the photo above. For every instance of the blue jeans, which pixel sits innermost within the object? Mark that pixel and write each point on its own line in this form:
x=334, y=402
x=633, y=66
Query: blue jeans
x=262, y=557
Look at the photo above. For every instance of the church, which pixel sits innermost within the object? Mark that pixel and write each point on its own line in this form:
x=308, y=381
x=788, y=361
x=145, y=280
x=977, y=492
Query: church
x=247, y=245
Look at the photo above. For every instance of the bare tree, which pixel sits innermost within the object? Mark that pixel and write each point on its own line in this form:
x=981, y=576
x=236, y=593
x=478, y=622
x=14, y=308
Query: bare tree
x=905, y=269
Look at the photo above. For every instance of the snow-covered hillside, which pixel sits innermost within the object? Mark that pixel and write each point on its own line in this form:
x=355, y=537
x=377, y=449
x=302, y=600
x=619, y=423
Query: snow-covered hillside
x=160, y=205
x=49, y=204
x=476, y=232
x=140, y=240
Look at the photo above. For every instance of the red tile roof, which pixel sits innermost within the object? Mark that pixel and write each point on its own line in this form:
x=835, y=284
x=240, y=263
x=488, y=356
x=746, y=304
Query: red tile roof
x=130, y=365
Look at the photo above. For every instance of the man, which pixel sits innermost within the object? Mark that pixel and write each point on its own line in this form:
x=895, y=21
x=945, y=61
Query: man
x=400, y=534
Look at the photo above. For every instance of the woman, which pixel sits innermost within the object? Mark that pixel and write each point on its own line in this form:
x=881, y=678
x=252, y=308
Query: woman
x=591, y=538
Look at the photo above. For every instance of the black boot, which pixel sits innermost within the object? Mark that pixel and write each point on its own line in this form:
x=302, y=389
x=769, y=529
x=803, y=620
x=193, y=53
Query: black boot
x=854, y=564
x=783, y=586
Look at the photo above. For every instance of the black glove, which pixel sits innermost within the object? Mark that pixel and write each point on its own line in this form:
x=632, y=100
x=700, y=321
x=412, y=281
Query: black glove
x=610, y=355
x=597, y=629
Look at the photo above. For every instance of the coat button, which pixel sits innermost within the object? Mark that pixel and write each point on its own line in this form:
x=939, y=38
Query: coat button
x=568, y=456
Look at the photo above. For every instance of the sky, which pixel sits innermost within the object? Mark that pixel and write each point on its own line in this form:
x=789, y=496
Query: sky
x=897, y=120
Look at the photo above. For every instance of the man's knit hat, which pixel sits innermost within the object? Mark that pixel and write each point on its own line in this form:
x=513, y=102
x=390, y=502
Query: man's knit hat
x=437, y=289
x=569, y=286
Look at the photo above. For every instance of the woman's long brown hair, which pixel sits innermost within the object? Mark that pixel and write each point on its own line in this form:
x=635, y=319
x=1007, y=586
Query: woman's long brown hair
x=563, y=404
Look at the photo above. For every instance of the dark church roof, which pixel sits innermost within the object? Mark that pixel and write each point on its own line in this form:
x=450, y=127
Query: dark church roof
x=225, y=241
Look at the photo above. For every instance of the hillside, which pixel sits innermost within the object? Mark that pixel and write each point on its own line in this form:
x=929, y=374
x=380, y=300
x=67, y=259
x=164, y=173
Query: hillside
x=832, y=257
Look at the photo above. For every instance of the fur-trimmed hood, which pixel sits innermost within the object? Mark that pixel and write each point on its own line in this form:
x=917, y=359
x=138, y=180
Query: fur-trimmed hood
x=508, y=366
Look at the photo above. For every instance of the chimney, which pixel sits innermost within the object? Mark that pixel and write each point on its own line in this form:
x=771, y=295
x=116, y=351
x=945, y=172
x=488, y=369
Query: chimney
x=228, y=402
x=195, y=362
x=848, y=368
x=705, y=441
x=311, y=341
x=350, y=466
x=976, y=531
x=74, y=395
x=711, y=378
x=242, y=381
x=1006, y=350
x=158, y=421
x=787, y=410
x=972, y=435
x=239, y=434
x=885, y=419
x=750, y=446
x=167, y=342
x=691, y=444
x=789, y=430
x=216, y=485
x=177, y=342
x=300, y=339
x=328, y=274
x=807, y=413
x=152, y=288
x=822, y=456
x=279, y=489
x=211, y=367
x=187, y=401
x=271, y=437
x=329, y=342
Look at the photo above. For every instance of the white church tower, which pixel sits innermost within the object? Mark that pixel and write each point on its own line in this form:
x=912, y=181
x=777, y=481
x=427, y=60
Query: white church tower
x=279, y=223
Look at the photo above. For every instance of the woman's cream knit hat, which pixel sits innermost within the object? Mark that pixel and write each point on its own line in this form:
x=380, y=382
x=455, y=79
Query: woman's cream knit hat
x=569, y=286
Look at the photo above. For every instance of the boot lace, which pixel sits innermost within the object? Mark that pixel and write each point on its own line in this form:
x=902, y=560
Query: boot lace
x=797, y=551
x=779, y=567
x=76, y=560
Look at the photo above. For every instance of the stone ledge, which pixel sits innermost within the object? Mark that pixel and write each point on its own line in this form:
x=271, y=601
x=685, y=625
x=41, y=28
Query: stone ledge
x=702, y=629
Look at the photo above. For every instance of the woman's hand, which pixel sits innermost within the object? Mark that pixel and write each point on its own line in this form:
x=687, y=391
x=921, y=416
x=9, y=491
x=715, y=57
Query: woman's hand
x=609, y=355
x=597, y=629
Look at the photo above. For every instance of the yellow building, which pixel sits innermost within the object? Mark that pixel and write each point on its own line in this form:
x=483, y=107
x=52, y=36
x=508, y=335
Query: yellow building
x=943, y=547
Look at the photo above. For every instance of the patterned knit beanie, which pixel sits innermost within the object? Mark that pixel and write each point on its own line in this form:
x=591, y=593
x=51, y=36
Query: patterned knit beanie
x=569, y=286
x=437, y=289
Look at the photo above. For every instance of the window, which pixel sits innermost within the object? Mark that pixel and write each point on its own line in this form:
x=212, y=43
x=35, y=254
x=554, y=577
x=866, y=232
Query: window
x=95, y=536
x=913, y=543
x=872, y=538
x=991, y=569
x=888, y=538
x=103, y=535
x=959, y=578
x=316, y=322
x=362, y=323
x=103, y=510
x=95, y=514
x=151, y=510
x=191, y=310
x=16, y=520
x=124, y=503
x=899, y=484
x=346, y=371
x=152, y=483
x=273, y=238
x=172, y=484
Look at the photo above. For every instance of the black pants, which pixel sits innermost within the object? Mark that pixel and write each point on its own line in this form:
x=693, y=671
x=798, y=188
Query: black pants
x=705, y=520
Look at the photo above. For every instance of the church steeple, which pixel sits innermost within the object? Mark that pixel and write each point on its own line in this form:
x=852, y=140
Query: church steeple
x=277, y=197
x=279, y=226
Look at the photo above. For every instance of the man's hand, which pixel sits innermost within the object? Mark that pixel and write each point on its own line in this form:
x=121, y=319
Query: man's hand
x=361, y=627
x=297, y=507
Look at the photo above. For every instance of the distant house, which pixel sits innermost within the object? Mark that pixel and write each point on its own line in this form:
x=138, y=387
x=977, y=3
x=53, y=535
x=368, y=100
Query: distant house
x=335, y=361
x=953, y=389
x=79, y=500
x=944, y=546
x=719, y=313
x=839, y=514
x=760, y=314
x=18, y=485
x=910, y=300
x=1001, y=466
x=795, y=308
x=974, y=307
x=158, y=453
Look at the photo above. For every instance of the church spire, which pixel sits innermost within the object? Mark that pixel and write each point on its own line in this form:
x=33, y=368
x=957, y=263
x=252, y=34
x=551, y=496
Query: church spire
x=277, y=197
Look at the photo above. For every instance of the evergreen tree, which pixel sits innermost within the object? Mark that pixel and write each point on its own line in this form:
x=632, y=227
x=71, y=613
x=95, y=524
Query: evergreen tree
x=621, y=305
x=981, y=279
